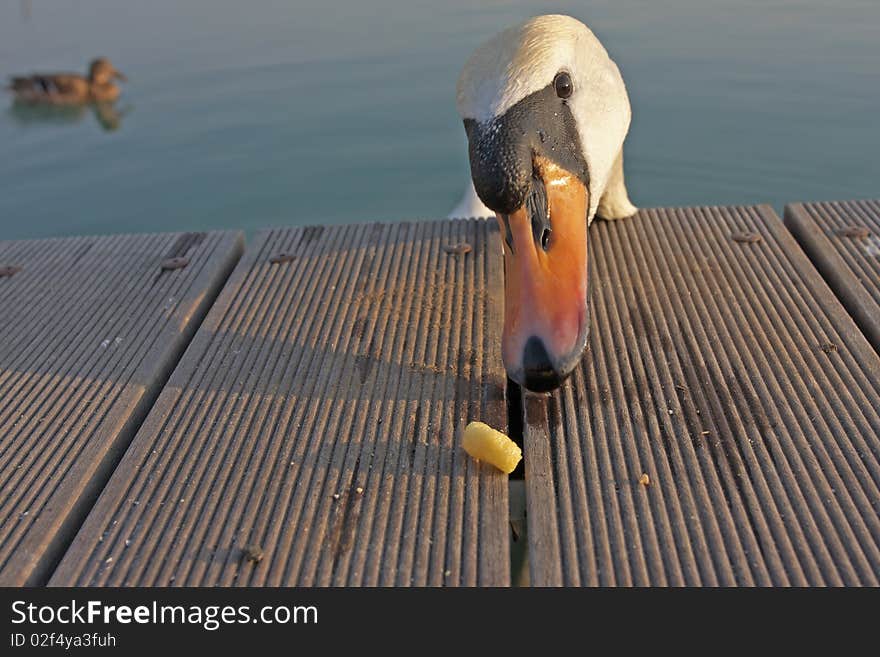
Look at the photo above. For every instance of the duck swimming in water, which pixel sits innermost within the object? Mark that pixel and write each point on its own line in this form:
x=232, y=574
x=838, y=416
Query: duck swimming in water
x=546, y=112
x=69, y=88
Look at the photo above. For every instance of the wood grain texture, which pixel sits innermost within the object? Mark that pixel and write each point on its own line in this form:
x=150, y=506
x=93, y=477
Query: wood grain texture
x=316, y=421
x=842, y=240
x=90, y=328
x=722, y=366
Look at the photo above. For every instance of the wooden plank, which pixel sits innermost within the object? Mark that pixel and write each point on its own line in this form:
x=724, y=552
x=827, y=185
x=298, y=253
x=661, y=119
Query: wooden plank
x=726, y=370
x=90, y=329
x=316, y=418
x=843, y=241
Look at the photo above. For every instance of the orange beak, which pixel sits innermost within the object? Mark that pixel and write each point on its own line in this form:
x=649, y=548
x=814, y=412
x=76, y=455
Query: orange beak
x=546, y=319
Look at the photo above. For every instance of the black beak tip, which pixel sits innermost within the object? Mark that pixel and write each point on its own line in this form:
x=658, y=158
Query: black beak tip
x=539, y=374
x=546, y=381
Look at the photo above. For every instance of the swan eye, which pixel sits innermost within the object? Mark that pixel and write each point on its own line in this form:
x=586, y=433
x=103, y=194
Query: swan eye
x=562, y=84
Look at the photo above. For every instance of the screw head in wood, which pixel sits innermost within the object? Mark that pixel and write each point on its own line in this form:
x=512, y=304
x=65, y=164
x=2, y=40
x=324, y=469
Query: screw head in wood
x=746, y=237
x=854, y=231
x=457, y=249
x=282, y=257
x=170, y=264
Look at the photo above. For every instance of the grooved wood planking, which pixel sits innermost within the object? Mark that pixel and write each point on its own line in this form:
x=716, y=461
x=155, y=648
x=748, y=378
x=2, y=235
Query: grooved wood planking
x=311, y=433
x=90, y=328
x=843, y=241
x=725, y=370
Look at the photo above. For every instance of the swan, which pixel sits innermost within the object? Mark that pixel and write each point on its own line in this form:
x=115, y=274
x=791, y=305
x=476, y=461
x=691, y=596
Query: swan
x=546, y=113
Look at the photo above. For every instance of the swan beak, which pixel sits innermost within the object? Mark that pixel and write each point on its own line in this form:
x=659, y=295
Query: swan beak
x=546, y=319
x=119, y=76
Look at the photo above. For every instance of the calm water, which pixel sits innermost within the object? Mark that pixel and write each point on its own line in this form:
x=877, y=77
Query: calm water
x=249, y=114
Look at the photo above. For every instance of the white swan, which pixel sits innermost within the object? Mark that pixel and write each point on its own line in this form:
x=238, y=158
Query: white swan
x=546, y=113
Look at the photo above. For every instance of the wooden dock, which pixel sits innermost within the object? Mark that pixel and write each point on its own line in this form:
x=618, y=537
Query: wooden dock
x=178, y=411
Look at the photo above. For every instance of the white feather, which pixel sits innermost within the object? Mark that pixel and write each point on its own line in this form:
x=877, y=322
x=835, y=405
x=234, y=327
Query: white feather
x=470, y=205
x=524, y=59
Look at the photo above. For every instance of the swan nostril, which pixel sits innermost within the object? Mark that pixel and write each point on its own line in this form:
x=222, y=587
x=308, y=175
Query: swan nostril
x=545, y=238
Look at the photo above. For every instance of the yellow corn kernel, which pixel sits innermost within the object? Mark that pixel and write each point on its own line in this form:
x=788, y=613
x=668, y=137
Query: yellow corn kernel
x=485, y=444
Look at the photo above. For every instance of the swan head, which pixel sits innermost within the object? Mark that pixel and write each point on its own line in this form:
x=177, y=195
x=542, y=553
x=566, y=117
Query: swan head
x=545, y=112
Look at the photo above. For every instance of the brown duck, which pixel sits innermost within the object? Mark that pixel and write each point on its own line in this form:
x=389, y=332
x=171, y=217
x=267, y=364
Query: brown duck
x=69, y=88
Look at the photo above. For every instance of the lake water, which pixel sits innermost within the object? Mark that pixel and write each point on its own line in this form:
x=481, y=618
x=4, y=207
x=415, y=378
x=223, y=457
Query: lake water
x=250, y=114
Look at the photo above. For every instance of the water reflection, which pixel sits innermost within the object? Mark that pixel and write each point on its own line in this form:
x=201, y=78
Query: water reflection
x=108, y=115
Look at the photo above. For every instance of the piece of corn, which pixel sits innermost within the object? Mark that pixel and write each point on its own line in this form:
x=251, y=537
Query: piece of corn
x=485, y=444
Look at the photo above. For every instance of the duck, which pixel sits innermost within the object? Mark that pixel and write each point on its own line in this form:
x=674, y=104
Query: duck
x=546, y=112
x=69, y=88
